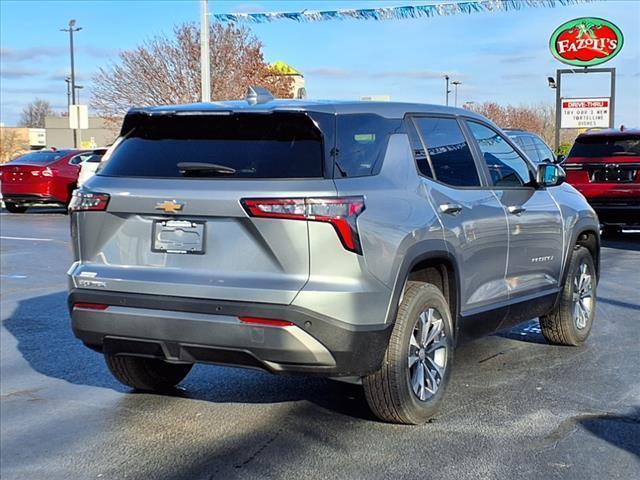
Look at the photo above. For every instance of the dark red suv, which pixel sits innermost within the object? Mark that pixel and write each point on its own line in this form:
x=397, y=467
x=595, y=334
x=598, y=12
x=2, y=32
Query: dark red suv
x=604, y=165
x=45, y=176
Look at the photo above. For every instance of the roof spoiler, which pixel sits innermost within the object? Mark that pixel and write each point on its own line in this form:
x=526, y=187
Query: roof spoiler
x=257, y=95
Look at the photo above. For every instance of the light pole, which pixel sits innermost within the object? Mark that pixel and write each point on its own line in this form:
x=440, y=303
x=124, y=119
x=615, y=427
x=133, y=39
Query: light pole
x=555, y=85
x=72, y=28
x=205, y=69
x=447, y=91
x=455, y=95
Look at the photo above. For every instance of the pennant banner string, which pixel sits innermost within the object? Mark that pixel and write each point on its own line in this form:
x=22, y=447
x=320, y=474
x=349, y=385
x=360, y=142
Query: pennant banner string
x=394, y=13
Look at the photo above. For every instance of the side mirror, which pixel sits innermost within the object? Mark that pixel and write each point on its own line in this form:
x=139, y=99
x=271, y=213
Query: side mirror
x=550, y=174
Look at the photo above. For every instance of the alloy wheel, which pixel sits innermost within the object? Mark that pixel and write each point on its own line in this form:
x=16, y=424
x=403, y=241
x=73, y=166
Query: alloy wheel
x=582, y=296
x=427, y=354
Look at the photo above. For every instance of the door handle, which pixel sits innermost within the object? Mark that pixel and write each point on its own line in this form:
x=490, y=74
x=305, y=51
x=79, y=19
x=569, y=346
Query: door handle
x=516, y=209
x=451, y=208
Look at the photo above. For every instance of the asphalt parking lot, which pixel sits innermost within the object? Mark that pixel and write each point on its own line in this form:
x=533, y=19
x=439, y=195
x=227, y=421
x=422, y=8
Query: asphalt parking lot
x=516, y=407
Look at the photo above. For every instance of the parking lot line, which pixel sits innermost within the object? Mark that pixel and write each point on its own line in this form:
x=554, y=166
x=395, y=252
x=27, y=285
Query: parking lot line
x=27, y=238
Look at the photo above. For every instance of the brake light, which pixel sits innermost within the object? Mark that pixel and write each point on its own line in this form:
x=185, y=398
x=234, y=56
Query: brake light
x=265, y=321
x=88, y=201
x=90, y=306
x=341, y=212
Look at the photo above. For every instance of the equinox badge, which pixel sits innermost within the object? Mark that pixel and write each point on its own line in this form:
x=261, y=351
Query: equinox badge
x=169, y=206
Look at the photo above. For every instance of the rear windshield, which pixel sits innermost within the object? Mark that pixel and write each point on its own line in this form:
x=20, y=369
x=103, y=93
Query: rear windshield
x=41, y=158
x=602, y=146
x=277, y=145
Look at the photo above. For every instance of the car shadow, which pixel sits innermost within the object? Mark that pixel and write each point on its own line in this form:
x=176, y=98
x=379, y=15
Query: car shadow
x=41, y=326
x=623, y=241
x=622, y=431
x=40, y=210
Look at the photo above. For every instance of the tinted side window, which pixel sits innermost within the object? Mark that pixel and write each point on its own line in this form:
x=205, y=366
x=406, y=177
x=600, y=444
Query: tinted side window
x=361, y=142
x=418, y=150
x=506, y=167
x=449, y=152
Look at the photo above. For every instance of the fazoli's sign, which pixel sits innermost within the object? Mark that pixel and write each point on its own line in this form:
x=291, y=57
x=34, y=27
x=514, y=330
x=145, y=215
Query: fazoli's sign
x=585, y=42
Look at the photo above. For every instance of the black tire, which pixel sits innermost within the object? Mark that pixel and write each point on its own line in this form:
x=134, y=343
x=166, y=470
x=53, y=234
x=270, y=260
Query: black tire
x=389, y=391
x=15, y=208
x=560, y=326
x=611, y=230
x=146, y=374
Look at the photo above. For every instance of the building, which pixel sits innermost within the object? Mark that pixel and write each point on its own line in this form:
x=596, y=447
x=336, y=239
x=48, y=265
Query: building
x=99, y=134
x=298, y=88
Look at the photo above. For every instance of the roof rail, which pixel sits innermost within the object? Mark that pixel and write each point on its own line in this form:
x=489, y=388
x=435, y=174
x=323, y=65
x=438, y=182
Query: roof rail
x=258, y=95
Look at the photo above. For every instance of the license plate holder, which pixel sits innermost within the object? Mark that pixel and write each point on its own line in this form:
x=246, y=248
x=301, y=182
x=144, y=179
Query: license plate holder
x=178, y=236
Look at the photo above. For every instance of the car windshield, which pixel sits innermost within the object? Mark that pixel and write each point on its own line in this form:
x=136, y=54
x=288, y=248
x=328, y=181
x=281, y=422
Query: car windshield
x=606, y=146
x=40, y=158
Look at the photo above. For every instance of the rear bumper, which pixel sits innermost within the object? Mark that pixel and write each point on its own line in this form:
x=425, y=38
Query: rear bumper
x=208, y=331
x=30, y=198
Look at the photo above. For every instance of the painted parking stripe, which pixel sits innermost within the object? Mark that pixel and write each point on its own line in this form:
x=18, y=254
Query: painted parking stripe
x=27, y=238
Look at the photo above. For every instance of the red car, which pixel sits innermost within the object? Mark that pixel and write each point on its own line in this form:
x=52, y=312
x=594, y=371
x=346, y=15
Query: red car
x=45, y=176
x=604, y=165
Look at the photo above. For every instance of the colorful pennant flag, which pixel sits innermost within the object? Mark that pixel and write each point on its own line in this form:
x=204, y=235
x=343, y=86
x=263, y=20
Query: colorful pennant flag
x=394, y=13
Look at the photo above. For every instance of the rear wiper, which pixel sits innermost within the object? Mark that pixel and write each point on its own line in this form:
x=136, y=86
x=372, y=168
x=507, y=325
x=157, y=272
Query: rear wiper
x=194, y=169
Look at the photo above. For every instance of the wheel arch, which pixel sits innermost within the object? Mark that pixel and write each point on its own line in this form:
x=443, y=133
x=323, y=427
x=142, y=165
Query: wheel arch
x=431, y=265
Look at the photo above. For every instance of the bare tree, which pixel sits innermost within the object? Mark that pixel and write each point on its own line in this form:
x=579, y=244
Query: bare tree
x=539, y=119
x=166, y=70
x=33, y=114
x=12, y=143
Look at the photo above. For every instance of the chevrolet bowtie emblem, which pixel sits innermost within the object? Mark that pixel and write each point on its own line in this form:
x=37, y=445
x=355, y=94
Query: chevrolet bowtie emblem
x=169, y=206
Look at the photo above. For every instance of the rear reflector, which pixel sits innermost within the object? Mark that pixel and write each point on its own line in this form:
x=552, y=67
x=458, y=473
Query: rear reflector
x=90, y=306
x=265, y=321
x=341, y=212
x=88, y=201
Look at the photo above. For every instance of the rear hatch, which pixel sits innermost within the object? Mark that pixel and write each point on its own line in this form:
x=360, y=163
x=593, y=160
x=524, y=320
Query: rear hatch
x=175, y=223
x=604, y=164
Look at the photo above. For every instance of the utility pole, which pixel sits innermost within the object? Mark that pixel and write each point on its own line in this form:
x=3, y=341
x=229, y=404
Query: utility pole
x=447, y=91
x=455, y=96
x=72, y=28
x=205, y=70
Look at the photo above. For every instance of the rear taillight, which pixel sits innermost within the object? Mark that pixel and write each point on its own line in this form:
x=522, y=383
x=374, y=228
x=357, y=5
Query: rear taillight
x=341, y=212
x=90, y=306
x=45, y=172
x=88, y=201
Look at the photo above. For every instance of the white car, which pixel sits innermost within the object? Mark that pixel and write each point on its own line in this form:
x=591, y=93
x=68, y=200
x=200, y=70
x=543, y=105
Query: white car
x=90, y=165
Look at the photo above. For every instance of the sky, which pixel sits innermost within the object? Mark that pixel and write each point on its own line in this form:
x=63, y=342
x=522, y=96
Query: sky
x=502, y=57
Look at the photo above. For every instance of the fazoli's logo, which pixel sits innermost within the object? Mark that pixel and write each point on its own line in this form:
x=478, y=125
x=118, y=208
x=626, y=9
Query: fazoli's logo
x=585, y=42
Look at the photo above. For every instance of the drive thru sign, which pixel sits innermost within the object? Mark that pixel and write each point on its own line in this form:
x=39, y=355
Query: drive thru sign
x=585, y=112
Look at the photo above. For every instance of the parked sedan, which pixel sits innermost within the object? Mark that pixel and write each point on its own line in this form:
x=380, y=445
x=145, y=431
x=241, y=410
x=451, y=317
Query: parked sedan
x=45, y=176
x=89, y=167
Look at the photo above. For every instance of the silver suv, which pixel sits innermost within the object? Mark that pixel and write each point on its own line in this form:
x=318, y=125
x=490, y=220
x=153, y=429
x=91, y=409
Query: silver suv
x=353, y=240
